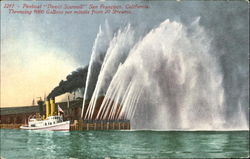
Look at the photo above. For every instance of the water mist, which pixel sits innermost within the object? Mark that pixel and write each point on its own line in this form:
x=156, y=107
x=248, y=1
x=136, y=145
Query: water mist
x=169, y=79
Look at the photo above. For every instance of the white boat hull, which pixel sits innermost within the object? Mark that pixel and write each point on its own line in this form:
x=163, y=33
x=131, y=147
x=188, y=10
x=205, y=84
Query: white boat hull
x=63, y=126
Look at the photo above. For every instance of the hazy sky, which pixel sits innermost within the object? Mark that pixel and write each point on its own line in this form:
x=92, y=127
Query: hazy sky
x=37, y=51
x=40, y=50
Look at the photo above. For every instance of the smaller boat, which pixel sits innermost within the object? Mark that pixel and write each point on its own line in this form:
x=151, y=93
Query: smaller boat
x=53, y=123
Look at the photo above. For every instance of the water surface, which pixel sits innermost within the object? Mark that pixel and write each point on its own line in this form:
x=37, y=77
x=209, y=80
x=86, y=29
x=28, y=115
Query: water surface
x=17, y=144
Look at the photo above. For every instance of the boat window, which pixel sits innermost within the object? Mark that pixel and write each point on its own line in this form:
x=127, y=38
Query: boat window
x=53, y=122
x=45, y=124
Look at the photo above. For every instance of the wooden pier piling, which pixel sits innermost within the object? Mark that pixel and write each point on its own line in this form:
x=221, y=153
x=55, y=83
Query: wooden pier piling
x=100, y=125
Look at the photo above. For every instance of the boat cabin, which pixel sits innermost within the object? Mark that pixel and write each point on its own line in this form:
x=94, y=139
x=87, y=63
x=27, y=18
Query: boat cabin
x=51, y=120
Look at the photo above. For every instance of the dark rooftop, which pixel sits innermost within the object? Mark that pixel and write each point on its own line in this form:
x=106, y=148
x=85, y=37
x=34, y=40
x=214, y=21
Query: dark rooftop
x=30, y=109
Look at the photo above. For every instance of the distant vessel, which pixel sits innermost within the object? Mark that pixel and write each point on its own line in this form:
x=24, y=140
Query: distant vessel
x=51, y=122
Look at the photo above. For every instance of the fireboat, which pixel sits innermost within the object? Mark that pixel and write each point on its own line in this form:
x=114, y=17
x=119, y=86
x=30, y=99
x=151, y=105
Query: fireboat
x=53, y=121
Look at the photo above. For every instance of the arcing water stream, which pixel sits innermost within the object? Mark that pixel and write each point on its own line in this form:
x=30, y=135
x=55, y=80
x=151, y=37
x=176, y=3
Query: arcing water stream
x=166, y=79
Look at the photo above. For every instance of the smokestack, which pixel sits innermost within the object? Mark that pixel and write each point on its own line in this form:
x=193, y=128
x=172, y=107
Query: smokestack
x=47, y=108
x=52, y=107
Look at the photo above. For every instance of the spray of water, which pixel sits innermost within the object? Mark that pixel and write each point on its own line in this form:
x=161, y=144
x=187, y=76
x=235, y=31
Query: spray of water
x=98, y=52
x=117, y=53
x=169, y=79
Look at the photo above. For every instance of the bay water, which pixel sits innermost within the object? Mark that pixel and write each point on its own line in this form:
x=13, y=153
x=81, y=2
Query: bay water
x=16, y=144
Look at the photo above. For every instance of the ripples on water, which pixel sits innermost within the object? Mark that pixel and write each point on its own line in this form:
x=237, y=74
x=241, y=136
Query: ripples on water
x=123, y=144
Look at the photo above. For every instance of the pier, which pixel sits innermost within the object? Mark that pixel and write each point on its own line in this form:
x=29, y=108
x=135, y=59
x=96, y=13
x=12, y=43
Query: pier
x=86, y=125
x=14, y=117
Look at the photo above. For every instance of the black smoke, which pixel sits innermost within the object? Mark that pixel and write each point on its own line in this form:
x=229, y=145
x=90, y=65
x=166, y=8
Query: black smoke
x=75, y=80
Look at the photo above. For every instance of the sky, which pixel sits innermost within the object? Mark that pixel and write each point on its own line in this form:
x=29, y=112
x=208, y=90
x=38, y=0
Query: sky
x=37, y=51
